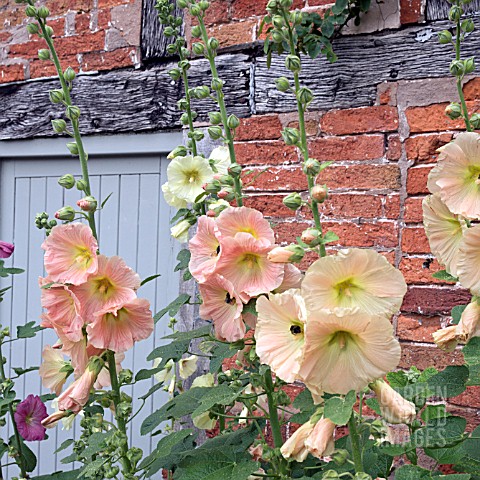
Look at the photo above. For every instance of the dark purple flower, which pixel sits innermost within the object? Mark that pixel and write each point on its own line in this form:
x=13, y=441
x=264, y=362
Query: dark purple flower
x=6, y=249
x=29, y=416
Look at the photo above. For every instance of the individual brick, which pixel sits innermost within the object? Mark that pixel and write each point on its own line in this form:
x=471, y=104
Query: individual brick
x=360, y=147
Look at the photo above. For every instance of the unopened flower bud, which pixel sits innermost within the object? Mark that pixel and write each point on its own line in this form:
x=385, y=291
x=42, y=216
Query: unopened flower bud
x=213, y=187
x=215, y=132
x=184, y=120
x=475, y=121
x=282, y=84
x=467, y=25
x=291, y=136
x=52, y=223
x=43, y=12
x=457, y=68
x=65, y=213
x=175, y=74
x=292, y=253
x=81, y=185
x=195, y=10
x=31, y=11
x=67, y=181
x=204, y=4
x=87, y=204
x=305, y=95
x=73, y=147
x=311, y=236
x=182, y=104
x=272, y=6
x=453, y=111
x=196, y=31
x=44, y=54
x=312, y=167
x=59, y=125
x=48, y=31
x=319, y=193
x=469, y=65
x=293, y=201
x=330, y=475
x=56, y=96
x=278, y=21
x=213, y=43
x=169, y=31
x=32, y=28
x=217, y=84
x=455, y=13
x=444, y=37
x=293, y=63
x=286, y=3
x=72, y=112
x=296, y=17
x=233, y=122
x=340, y=456
x=215, y=118
x=198, y=48
x=179, y=151
x=125, y=376
x=235, y=170
x=197, y=135
x=394, y=408
x=202, y=92
x=171, y=49
x=182, y=3
x=277, y=36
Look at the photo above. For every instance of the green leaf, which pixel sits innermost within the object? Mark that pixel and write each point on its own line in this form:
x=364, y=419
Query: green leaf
x=397, y=379
x=471, y=353
x=219, y=353
x=21, y=371
x=65, y=445
x=339, y=410
x=183, y=258
x=303, y=402
x=191, y=334
x=411, y=472
x=330, y=237
x=440, y=433
x=173, y=351
x=444, y=275
x=448, y=455
x=150, y=278
x=218, y=395
x=457, y=313
x=91, y=469
x=96, y=443
x=28, y=330
x=4, y=272
x=146, y=373
x=106, y=200
x=450, y=382
x=69, y=475
x=3, y=448
x=151, y=391
x=432, y=412
x=30, y=460
x=173, y=307
x=374, y=405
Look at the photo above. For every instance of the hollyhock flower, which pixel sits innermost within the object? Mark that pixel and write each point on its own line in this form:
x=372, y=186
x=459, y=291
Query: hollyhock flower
x=292, y=278
x=346, y=349
x=114, y=283
x=395, y=409
x=469, y=325
x=66, y=417
x=54, y=370
x=28, y=417
x=220, y=157
x=433, y=176
x=223, y=306
x=118, y=328
x=243, y=261
x=468, y=260
x=70, y=253
x=458, y=175
x=77, y=394
x=204, y=421
x=292, y=253
x=320, y=442
x=171, y=199
x=446, y=338
x=294, y=448
x=187, y=366
x=204, y=249
x=167, y=375
x=187, y=175
x=354, y=278
x=180, y=231
x=6, y=249
x=247, y=220
x=444, y=231
x=280, y=332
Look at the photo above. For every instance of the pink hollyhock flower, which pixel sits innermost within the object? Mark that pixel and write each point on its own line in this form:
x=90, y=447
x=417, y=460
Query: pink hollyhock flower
x=395, y=409
x=243, y=261
x=70, y=253
x=247, y=220
x=6, y=249
x=292, y=278
x=54, y=370
x=294, y=448
x=468, y=258
x=346, y=349
x=114, y=283
x=28, y=417
x=280, y=332
x=223, y=306
x=118, y=328
x=320, y=442
x=204, y=248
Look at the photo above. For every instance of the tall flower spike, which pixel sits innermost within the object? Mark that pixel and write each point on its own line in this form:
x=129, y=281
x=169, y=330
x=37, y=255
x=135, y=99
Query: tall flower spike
x=354, y=278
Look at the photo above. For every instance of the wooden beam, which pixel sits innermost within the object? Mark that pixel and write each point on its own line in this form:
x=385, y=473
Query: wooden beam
x=438, y=9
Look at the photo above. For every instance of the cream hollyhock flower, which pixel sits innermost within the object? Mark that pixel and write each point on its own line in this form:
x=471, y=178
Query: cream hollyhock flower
x=171, y=199
x=203, y=421
x=220, y=157
x=346, y=349
x=292, y=278
x=187, y=175
x=280, y=332
x=167, y=375
x=469, y=325
x=444, y=231
x=320, y=442
x=457, y=175
x=187, y=366
x=446, y=338
x=468, y=260
x=180, y=231
x=394, y=408
x=354, y=278
x=54, y=370
x=294, y=448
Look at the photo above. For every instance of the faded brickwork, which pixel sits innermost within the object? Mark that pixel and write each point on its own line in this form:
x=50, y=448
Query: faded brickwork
x=382, y=153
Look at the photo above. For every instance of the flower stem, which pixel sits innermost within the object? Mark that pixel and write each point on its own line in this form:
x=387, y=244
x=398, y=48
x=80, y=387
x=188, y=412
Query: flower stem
x=460, y=78
x=20, y=458
x=121, y=424
x=210, y=55
x=355, y=440
x=272, y=409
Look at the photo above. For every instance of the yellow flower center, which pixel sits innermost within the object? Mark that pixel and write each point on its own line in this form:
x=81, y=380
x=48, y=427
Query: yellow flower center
x=342, y=339
x=250, y=260
x=474, y=174
x=83, y=256
x=104, y=286
x=192, y=176
x=346, y=288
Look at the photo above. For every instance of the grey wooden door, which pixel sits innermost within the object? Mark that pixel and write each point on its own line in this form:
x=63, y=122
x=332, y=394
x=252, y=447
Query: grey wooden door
x=134, y=224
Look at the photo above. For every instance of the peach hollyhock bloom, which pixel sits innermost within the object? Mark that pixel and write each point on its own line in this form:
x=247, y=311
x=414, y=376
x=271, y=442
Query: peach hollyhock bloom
x=187, y=175
x=70, y=253
x=118, y=328
x=243, y=261
x=114, y=283
x=468, y=260
x=76, y=395
x=354, y=278
x=346, y=349
x=469, y=325
x=394, y=408
x=457, y=175
x=294, y=448
x=223, y=306
x=444, y=231
x=280, y=332
x=292, y=278
x=446, y=338
x=54, y=370
x=204, y=249
x=244, y=219
x=320, y=442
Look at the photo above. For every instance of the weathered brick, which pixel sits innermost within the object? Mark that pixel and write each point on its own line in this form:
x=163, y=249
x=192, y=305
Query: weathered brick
x=250, y=8
x=417, y=180
x=469, y=398
x=82, y=22
x=423, y=357
x=413, y=210
x=434, y=300
x=216, y=13
x=235, y=33
x=351, y=206
x=39, y=68
x=417, y=328
x=276, y=178
x=269, y=205
x=471, y=89
x=394, y=147
x=414, y=240
x=91, y=42
x=410, y=11
x=26, y=49
x=423, y=148
x=392, y=206
x=58, y=7
x=12, y=73
x=381, y=118
x=314, y=3
x=112, y=3
x=121, y=57
x=419, y=270
x=261, y=127
x=361, y=177
x=362, y=147
x=265, y=153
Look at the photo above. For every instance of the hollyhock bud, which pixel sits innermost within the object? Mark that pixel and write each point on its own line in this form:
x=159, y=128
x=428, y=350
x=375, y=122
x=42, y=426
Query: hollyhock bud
x=87, y=204
x=457, y=68
x=394, y=408
x=48, y=31
x=32, y=28
x=311, y=236
x=362, y=476
x=312, y=167
x=81, y=185
x=293, y=201
x=305, y=95
x=319, y=193
x=455, y=13
x=320, y=442
x=65, y=213
x=198, y=48
x=294, y=448
x=182, y=3
x=72, y=112
x=217, y=84
x=59, y=125
x=180, y=231
x=43, y=12
x=453, y=111
x=213, y=43
x=282, y=84
x=215, y=132
x=6, y=249
x=272, y=6
x=73, y=147
x=175, y=74
x=196, y=31
x=179, y=151
x=44, y=54
x=213, y=187
x=31, y=11
x=475, y=121
x=340, y=456
x=235, y=170
x=292, y=253
x=469, y=65
x=56, y=96
x=215, y=118
x=277, y=36
x=330, y=475
x=444, y=37
x=67, y=181
x=293, y=63
x=233, y=122
x=291, y=136
x=467, y=25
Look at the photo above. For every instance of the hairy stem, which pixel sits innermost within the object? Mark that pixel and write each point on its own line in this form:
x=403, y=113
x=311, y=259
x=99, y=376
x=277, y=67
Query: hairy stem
x=355, y=440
